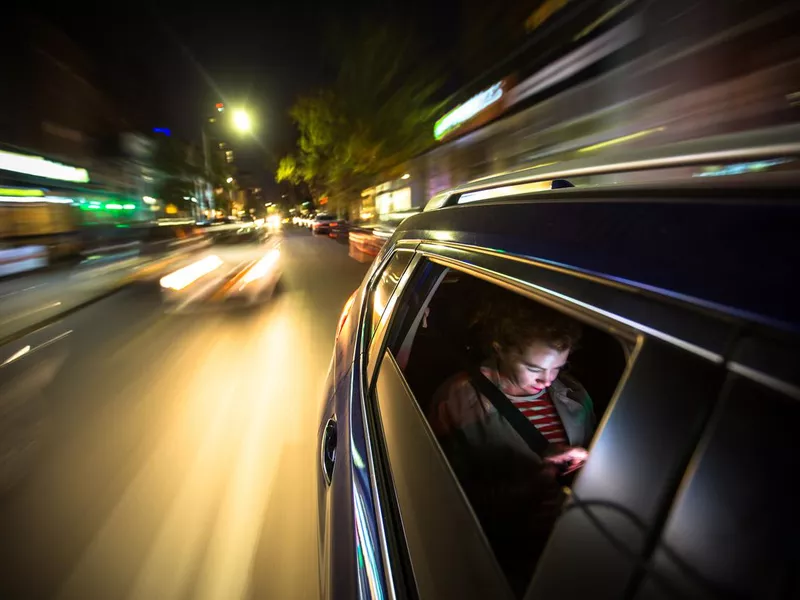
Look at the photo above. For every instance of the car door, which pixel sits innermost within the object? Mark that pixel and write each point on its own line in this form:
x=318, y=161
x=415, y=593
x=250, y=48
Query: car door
x=436, y=545
x=732, y=530
x=637, y=459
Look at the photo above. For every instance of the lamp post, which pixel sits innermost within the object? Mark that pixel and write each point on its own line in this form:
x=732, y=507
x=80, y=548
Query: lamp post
x=243, y=124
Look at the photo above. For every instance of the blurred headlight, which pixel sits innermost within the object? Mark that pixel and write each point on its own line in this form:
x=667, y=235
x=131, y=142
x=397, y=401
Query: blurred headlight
x=181, y=278
x=262, y=267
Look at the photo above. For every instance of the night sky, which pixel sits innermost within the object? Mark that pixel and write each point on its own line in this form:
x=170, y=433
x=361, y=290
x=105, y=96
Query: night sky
x=167, y=67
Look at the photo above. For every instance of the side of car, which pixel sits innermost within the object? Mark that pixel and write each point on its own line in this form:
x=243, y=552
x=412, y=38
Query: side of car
x=644, y=519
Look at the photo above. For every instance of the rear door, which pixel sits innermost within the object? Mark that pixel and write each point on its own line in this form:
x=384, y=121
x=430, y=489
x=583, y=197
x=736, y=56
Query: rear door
x=734, y=526
x=637, y=460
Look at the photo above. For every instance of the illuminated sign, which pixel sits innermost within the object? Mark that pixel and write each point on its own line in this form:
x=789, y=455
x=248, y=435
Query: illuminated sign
x=41, y=167
x=464, y=112
x=22, y=192
x=740, y=168
x=35, y=199
x=163, y=130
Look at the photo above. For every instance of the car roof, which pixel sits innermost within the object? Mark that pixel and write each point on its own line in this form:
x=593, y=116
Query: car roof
x=728, y=247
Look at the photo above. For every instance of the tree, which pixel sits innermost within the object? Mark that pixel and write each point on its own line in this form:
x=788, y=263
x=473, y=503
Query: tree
x=379, y=112
x=288, y=171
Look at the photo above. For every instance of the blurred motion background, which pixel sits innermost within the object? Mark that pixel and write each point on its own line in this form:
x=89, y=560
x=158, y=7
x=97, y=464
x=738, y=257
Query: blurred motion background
x=157, y=441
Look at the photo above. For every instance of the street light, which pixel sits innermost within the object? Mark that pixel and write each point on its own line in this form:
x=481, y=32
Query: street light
x=229, y=180
x=241, y=121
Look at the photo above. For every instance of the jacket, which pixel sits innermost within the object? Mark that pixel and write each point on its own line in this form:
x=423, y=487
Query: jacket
x=514, y=495
x=458, y=409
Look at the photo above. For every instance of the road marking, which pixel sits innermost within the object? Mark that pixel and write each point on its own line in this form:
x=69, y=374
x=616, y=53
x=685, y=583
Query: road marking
x=27, y=289
x=16, y=355
x=27, y=349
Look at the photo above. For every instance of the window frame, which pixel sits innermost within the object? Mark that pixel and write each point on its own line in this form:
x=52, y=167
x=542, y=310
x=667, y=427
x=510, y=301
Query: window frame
x=409, y=256
x=366, y=334
x=385, y=331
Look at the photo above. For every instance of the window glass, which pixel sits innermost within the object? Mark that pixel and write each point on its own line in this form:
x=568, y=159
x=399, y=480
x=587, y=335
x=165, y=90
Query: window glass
x=454, y=334
x=385, y=285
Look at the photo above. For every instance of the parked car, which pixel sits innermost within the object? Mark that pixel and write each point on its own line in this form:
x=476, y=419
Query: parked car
x=339, y=229
x=689, y=352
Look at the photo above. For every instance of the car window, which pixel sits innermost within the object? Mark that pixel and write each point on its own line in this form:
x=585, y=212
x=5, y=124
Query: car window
x=449, y=324
x=384, y=286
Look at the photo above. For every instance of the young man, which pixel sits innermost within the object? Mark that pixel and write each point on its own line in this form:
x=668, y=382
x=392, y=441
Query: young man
x=513, y=490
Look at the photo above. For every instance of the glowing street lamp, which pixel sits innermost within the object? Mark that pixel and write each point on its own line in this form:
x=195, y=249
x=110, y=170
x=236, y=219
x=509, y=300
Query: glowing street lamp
x=241, y=121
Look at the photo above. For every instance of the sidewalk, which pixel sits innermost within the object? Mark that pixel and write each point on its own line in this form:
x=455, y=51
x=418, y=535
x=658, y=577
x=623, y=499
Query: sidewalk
x=28, y=301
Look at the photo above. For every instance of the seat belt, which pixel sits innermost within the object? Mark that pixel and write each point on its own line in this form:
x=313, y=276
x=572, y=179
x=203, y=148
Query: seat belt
x=526, y=430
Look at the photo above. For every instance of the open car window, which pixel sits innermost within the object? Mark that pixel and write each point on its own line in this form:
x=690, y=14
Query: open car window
x=439, y=335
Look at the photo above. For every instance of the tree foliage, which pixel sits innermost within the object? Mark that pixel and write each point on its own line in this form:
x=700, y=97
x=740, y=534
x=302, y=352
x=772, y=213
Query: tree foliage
x=379, y=112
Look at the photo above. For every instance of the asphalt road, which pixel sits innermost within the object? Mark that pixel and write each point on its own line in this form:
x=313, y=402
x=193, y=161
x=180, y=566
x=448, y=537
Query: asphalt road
x=171, y=455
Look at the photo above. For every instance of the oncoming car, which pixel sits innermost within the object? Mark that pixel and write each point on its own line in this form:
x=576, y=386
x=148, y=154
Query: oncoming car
x=550, y=394
x=221, y=280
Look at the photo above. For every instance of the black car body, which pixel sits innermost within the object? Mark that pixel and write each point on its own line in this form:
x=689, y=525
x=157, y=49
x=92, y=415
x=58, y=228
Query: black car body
x=689, y=294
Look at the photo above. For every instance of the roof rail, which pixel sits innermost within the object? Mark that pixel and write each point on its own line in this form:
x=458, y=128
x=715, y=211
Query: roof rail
x=776, y=142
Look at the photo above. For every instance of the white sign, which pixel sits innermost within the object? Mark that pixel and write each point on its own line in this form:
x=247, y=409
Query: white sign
x=41, y=167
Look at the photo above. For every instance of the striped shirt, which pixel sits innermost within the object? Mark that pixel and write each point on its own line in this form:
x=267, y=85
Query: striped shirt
x=541, y=411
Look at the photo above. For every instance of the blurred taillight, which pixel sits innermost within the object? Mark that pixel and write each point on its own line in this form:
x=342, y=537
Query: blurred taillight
x=346, y=311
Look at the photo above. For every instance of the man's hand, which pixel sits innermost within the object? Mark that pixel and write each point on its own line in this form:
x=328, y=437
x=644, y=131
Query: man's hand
x=567, y=460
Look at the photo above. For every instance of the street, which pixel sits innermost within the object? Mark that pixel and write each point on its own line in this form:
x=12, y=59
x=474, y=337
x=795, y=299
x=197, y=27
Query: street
x=172, y=455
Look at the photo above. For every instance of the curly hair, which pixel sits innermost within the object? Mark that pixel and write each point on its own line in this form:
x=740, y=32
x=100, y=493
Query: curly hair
x=514, y=322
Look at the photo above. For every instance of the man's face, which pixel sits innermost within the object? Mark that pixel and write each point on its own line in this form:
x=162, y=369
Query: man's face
x=534, y=368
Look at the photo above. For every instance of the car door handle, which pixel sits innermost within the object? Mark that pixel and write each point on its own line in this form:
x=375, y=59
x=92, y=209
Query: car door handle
x=329, y=440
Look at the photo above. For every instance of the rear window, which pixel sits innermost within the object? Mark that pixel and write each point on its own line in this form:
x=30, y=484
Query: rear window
x=325, y=217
